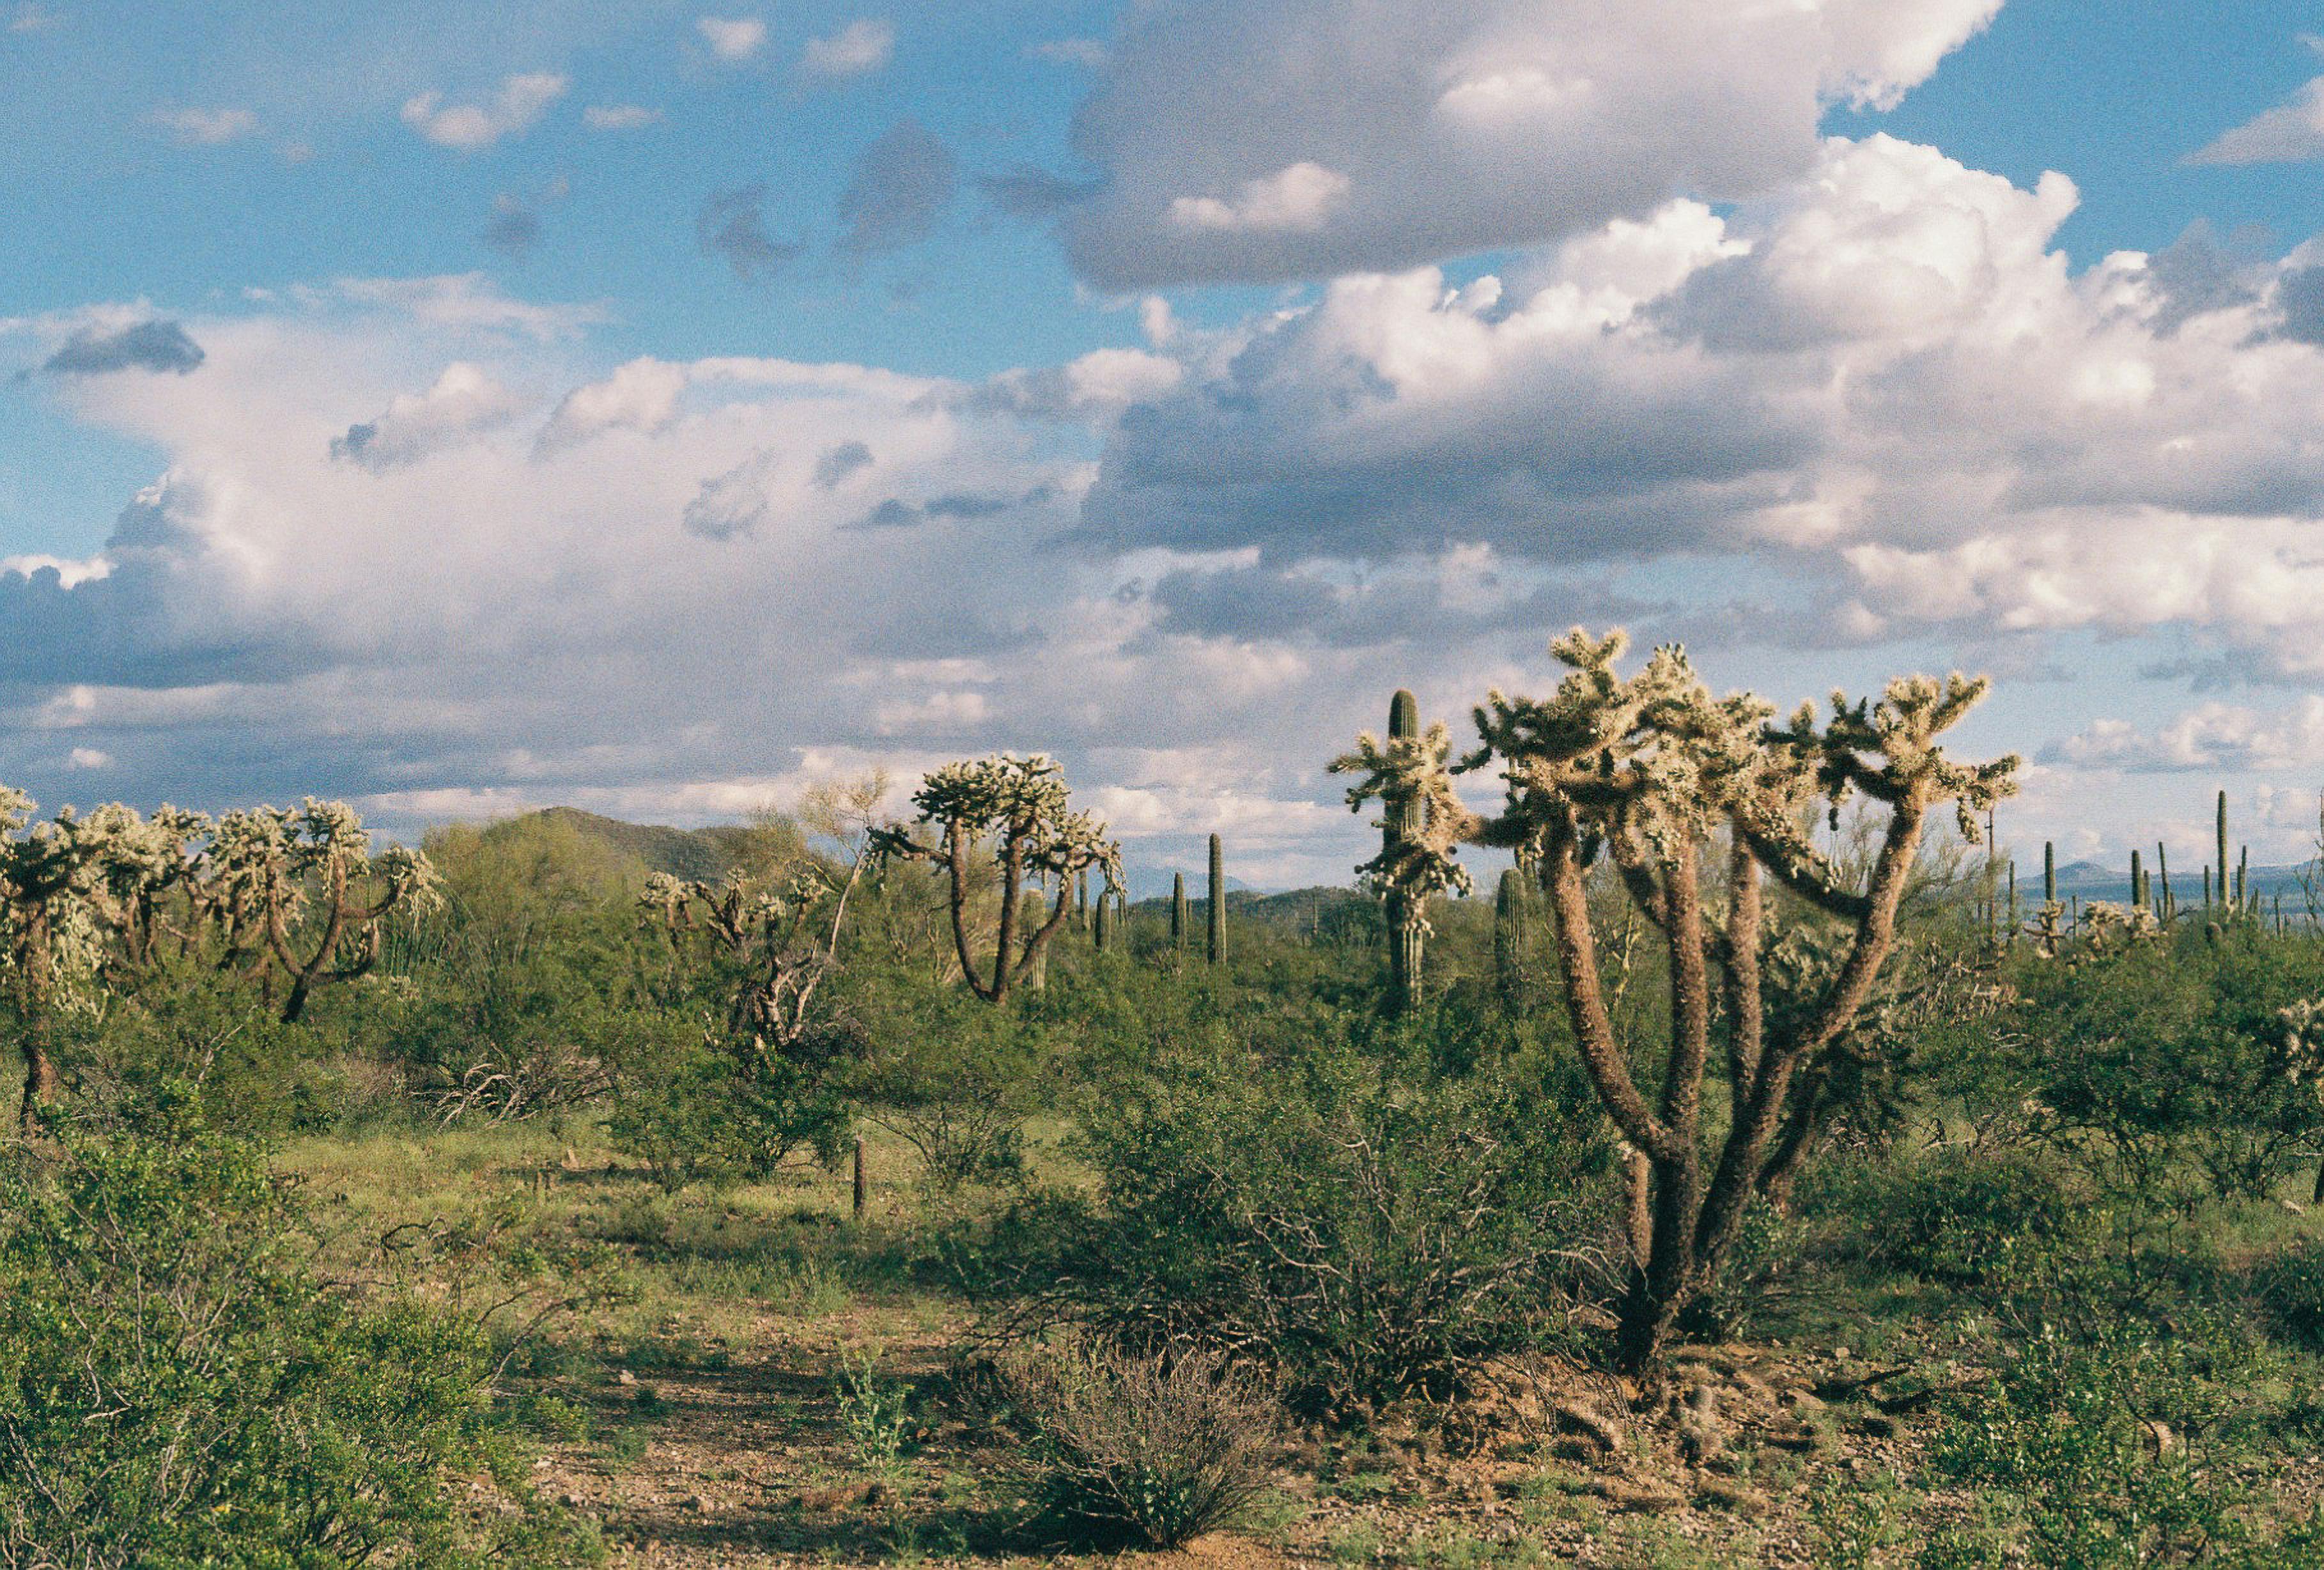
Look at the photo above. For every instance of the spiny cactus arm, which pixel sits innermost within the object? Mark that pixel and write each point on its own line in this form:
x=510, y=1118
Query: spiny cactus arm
x=1594, y=1026
x=1779, y=846
x=1424, y=821
x=408, y=879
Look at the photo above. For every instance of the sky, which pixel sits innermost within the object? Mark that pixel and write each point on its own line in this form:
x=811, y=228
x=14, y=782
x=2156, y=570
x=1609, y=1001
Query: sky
x=658, y=410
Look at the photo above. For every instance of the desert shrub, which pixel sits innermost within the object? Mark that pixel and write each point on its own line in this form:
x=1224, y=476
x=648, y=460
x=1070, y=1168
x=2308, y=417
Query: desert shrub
x=218, y=1045
x=1955, y=1217
x=694, y=1112
x=2289, y=1285
x=955, y=1079
x=2163, y=1070
x=2086, y=1439
x=1155, y=1449
x=1365, y=1226
x=178, y=1388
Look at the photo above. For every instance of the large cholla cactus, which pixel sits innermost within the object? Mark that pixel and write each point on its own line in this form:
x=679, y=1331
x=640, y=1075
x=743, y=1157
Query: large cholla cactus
x=1014, y=811
x=782, y=934
x=299, y=889
x=1651, y=773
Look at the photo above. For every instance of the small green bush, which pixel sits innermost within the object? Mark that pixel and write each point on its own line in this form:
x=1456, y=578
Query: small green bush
x=1368, y=1227
x=1152, y=1449
x=178, y=1387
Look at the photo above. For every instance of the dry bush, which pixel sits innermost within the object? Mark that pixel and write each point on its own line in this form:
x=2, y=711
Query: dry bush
x=1153, y=1449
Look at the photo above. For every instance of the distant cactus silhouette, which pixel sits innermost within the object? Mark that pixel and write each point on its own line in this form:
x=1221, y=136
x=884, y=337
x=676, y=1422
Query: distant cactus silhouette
x=1181, y=925
x=1218, y=910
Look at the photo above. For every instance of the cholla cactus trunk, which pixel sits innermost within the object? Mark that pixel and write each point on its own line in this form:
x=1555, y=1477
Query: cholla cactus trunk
x=1408, y=931
x=1218, y=910
x=1510, y=934
x=1182, y=927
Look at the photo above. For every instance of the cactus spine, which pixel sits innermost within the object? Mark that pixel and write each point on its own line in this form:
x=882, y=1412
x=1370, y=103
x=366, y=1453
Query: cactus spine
x=1181, y=929
x=1218, y=910
x=1509, y=932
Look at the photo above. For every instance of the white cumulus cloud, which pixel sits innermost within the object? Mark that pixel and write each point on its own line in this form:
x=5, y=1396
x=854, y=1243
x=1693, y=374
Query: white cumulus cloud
x=515, y=108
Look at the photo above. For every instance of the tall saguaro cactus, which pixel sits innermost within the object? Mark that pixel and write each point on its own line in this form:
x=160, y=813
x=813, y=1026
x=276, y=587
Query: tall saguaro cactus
x=1181, y=930
x=1218, y=910
x=2222, y=864
x=1401, y=824
x=1510, y=933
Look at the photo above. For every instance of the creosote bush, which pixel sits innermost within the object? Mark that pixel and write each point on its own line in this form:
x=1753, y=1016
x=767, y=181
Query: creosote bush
x=1155, y=1450
x=1364, y=1225
x=178, y=1388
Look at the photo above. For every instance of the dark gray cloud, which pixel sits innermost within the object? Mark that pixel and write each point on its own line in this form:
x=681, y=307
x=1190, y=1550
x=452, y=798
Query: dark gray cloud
x=515, y=229
x=956, y=507
x=731, y=224
x=836, y=463
x=1027, y=191
x=148, y=346
x=2199, y=272
x=902, y=184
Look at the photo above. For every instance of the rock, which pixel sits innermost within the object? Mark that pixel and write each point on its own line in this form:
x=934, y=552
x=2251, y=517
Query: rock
x=699, y=1504
x=2159, y=1437
x=1806, y=1403
x=1701, y=1443
x=1703, y=1404
x=625, y=1378
x=570, y=1500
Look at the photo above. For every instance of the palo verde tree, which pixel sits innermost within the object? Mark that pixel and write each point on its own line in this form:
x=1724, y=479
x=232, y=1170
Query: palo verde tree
x=1651, y=775
x=301, y=889
x=1013, y=812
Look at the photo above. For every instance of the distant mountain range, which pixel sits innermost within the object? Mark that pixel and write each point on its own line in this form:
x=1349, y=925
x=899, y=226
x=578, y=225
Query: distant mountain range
x=2087, y=881
x=708, y=853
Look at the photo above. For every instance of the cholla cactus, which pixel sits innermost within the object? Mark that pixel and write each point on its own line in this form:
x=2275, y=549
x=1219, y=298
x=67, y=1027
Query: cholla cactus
x=50, y=948
x=769, y=930
x=1649, y=772
x=300, y=889
x=1013, y=811
x=2108, y=928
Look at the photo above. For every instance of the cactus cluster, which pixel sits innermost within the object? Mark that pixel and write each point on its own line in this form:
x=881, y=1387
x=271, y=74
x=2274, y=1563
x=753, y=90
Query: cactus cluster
x=291, y=899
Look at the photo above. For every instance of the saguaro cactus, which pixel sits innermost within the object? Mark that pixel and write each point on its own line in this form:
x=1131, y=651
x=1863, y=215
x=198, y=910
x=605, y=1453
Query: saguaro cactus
x=1103, y=935
x=1400, y=824
x=2223, y=863
x=1218, y=911
x=2137, y=882
x=1181, y=927
x=1509, y=932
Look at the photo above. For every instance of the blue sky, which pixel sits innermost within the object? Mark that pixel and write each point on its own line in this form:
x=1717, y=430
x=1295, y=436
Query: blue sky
x=659, y=406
